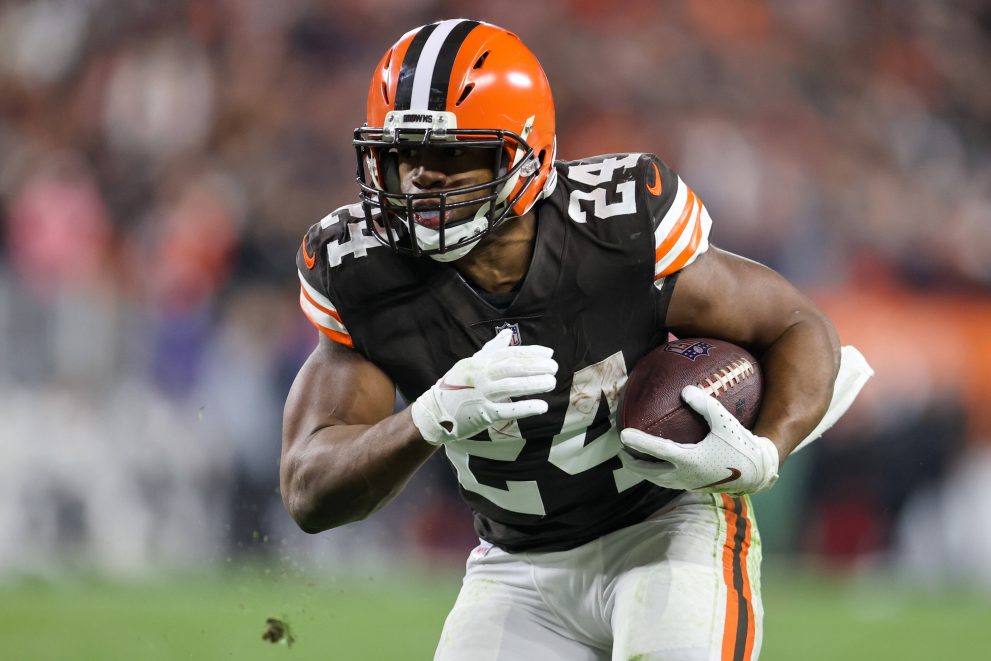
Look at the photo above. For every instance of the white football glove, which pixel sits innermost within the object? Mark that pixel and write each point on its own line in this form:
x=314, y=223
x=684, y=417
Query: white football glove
x=729, y=459
x=475, y=393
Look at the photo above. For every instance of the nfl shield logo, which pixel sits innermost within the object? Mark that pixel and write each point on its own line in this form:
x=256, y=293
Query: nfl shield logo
x=688, y=348
x=517, y=340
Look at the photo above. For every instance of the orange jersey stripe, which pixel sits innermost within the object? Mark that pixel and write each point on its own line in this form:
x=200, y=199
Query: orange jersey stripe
x=340, y=338
x=679, y=227
x=690, y=249
x=332, y=313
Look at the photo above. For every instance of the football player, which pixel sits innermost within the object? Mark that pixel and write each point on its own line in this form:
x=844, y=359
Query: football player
x=507, y=295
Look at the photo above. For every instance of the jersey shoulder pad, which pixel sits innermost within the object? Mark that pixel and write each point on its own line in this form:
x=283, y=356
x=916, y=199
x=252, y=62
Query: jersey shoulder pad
x=606, y=170
x=598, y=188
x=323, y=250
x=680, y=221
x=641, y=186
x=337, y=235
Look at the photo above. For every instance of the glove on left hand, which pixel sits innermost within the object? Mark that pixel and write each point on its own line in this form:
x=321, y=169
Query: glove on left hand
x=729, y=459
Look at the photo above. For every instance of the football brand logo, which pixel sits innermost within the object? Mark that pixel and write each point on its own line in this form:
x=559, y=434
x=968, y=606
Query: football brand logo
x=690, y=349
x=308, y=259
x=655, y=188
x=517, y=339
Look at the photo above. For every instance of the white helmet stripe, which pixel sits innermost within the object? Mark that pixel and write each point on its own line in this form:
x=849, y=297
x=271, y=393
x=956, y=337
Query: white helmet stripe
x=433, y=68
x=428, y=60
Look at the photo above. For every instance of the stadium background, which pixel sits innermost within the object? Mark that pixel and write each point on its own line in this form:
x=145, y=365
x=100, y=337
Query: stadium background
x=159, y=162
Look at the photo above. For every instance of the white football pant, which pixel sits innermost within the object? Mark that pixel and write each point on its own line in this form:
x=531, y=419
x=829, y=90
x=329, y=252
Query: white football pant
x=683, y=585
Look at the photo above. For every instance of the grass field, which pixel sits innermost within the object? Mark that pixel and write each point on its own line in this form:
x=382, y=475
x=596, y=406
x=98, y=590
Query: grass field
x=809, y=618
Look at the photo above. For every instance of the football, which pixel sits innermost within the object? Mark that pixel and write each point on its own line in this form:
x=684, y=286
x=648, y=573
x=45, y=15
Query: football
x=652, y=400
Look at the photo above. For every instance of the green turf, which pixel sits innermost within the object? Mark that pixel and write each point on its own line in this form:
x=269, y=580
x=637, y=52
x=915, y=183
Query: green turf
x=814, y=618
x=223, y=617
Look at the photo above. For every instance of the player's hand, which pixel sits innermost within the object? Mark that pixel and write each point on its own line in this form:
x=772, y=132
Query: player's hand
x=475, y=393
x=729, y=459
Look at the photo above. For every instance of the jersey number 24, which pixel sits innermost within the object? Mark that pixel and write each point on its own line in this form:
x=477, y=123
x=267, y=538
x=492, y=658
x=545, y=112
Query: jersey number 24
x=571, y=450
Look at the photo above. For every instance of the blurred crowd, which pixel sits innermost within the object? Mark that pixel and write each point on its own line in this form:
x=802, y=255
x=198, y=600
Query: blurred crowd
x=160, y=161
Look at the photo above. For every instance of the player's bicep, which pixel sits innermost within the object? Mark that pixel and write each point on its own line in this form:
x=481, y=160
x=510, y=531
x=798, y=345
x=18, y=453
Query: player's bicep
x=729, y=297
x=336, y=386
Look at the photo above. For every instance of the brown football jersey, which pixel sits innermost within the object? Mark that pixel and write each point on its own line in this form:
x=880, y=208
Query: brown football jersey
x=611, y=238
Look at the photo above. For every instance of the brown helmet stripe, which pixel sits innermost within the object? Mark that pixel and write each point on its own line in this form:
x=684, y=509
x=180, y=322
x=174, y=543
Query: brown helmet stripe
x=404, y=89
x=426, y=71
x=441, y=78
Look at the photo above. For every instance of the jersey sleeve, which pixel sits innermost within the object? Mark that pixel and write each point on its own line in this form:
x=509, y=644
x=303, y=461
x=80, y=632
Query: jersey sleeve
x=680, y=221
x=315, y=293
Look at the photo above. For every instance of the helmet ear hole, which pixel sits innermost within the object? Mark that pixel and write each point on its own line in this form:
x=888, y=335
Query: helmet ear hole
x=540, y=156
x=385, y=94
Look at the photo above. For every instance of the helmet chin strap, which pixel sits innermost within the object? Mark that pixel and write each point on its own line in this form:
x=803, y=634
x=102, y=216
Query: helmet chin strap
x=429, y=239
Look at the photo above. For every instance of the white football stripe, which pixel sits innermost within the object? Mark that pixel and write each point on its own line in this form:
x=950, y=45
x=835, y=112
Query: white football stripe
x=425, y=65
x=320, y=317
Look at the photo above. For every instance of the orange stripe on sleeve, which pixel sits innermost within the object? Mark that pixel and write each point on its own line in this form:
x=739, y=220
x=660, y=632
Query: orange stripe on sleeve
x=340, y=338
x=679, y=227
x=332, y=313
x=690, y=249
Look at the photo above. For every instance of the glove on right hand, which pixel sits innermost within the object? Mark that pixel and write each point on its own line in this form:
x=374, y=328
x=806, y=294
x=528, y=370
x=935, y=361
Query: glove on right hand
x=475, y=393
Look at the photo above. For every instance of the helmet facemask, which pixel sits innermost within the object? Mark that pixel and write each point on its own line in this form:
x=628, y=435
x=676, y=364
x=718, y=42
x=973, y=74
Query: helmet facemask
x=514, y=165
x=463, y=83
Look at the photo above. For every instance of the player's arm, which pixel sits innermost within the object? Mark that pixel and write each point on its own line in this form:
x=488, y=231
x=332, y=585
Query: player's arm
x=729, y=297
x=344, y=453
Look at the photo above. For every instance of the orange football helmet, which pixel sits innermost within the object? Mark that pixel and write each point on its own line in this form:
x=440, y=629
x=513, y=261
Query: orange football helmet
x=455, y=83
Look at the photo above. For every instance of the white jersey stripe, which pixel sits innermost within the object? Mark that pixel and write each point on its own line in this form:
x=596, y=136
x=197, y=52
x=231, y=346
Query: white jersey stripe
x=706, y=228
x=674, y=212
x=703, y=245
x=425, y=65
x=316, y=296
x=683, y=240
x=320, y=317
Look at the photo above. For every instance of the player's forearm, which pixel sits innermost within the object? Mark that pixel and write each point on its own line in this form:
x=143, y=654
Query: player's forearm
x=799, y=369
x=343, y=473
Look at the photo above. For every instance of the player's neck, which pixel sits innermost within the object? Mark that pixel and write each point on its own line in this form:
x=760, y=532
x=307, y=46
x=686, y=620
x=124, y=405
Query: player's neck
x=501, y=259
